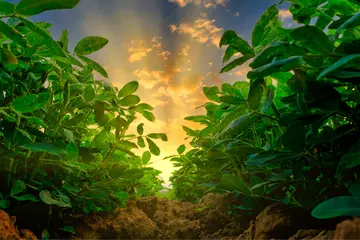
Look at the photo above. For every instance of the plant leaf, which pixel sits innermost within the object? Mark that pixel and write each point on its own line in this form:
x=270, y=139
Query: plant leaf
x=340, y=64
x=44, y=147
x=154, y=149
x=90, y=44
x=338, y=206
x=128, y=101
x=31, y=7
x=94, y=65
x=18, y=187
x=30, y=102
x=128, y=89
x=255, y=94
x=231, y=182
x=264, y=25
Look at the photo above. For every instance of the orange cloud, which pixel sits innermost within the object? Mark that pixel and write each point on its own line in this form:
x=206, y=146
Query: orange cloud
x=203, y=30
x=202, y=3
x=284, y=14
x=137, y=50
x=148, y=78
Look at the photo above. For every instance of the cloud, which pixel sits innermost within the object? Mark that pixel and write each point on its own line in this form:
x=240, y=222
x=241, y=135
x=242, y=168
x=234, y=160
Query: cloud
x=156, y=42
x=237, y=14
x=138, y=50
x=202, y=29
x=148, y=78
x=185, y=50
x=200, y=3
x=284, y=14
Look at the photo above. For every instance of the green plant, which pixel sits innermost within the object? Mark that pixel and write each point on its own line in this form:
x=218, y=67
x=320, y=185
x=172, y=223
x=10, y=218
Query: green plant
x=63, y=133
x=290, y=134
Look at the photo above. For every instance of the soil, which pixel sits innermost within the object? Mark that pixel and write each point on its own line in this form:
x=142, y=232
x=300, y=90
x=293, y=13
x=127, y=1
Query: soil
x=160, y=218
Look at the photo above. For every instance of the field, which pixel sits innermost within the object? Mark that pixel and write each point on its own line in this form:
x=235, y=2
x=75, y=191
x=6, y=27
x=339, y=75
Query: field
x=277, y=157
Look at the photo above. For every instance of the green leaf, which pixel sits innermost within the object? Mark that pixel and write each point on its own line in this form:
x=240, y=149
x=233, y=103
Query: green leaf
x=243, y=151
x=229, y=52
x=13, y=34
x=141, y=142
x=99, y=110
x=26, y=197
x=90, y=44
x=45, y=147
x=143, y=106
x=237, y=62
x=6, y=8
x=69, y=229
x=128, y=101
x=231, y=38
x=340, y=64
x=72, y=151
x=255, y=93
x=355, y=189
x=231, y=182
x=31, y=7
x=49, y=42
x=353, y=22
x=140, y=129
x=129, y=89
x=89, y=93
x=18, y=187
x=270, y=157
x=4, y=203
x=69, y=135
x=293, y=138
x=240, y=124
x=127, y=144
x=7, y=57
x=313, y=38
x=161, y=136
x=181, y=149
x=199, y=119
x=146, y=156
x=276, y=49
x=283, y=65
x=65, y=39
x=338, y=206
x=189, y=131
x=47, y=198
x=268, y=100
x=94, y=65
x=264, y=26
x=154, y=149
x=149, y=116
x=133, y=174
x=282, y=77
x=30, y=102
x=211, y=93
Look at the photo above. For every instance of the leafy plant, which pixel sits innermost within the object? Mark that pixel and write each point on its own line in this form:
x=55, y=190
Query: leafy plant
x=63, y=133
x=289, y=134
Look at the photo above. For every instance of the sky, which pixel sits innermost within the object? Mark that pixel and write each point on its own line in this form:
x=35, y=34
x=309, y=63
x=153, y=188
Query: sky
x=171, y=47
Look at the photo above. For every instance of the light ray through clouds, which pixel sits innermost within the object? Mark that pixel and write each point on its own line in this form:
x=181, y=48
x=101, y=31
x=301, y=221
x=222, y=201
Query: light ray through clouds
x=169, y=46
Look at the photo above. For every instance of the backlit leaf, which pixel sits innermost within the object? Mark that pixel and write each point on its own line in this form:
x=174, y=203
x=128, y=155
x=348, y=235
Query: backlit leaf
x=90, y=44
x=31, y=7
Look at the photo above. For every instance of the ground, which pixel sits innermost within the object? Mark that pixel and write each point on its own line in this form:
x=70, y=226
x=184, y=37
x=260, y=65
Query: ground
x=160, y=218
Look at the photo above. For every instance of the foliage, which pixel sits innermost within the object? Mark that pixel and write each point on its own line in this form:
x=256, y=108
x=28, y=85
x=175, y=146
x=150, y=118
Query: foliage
x=63, y=133
x=290, y=134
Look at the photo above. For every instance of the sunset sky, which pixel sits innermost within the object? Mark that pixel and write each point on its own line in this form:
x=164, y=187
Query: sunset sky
x=169, y=46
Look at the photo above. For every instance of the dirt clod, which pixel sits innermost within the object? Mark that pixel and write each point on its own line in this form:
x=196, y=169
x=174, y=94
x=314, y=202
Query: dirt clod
x=9, y=231
x=348, y=229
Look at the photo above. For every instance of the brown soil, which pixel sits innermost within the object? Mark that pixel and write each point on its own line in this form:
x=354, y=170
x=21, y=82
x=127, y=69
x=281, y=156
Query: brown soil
x=158, y=218
x=8, y=230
